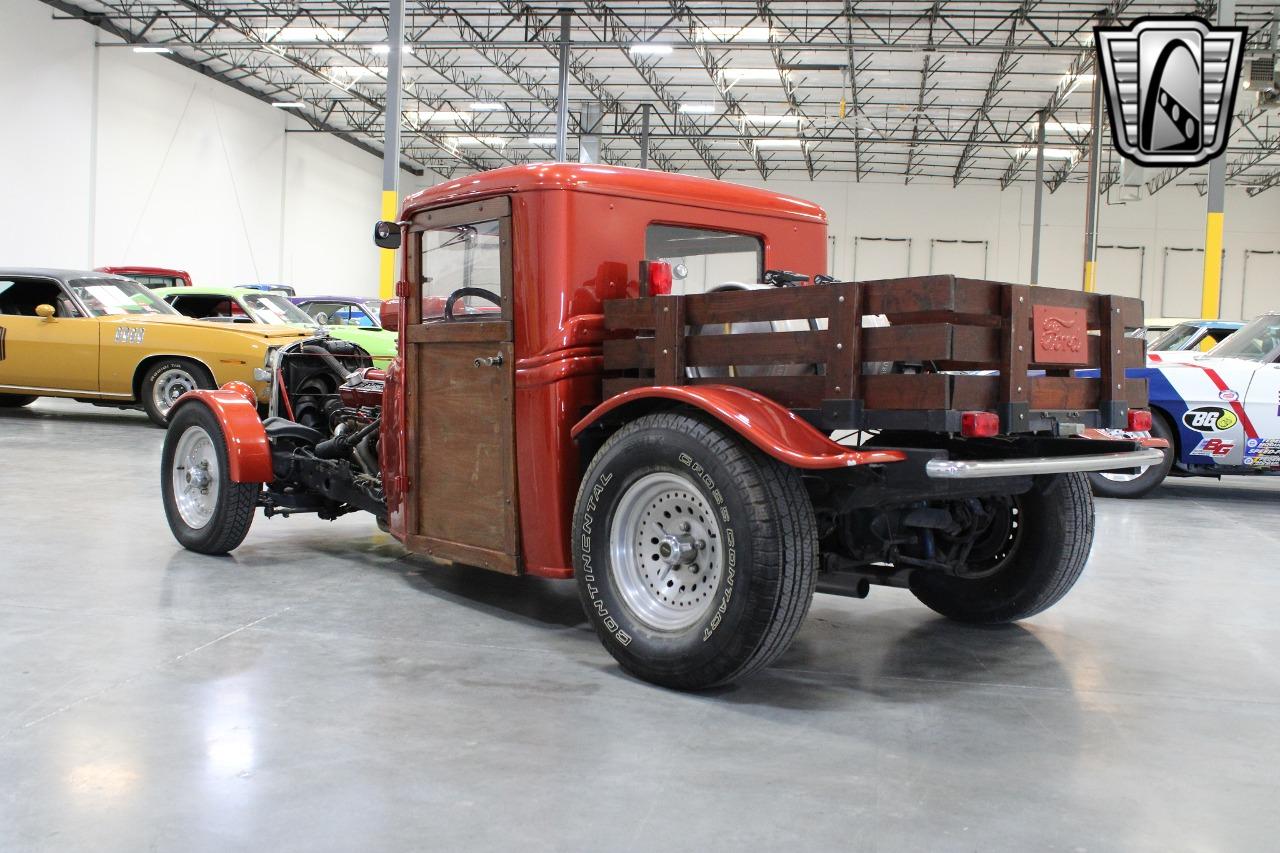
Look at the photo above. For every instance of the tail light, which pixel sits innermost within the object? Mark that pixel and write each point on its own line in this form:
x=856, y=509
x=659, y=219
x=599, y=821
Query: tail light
x=1139, y=420
x=979, y=424
x=659, y=278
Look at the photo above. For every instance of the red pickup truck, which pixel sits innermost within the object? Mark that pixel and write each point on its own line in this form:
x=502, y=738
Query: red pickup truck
x=645, y=382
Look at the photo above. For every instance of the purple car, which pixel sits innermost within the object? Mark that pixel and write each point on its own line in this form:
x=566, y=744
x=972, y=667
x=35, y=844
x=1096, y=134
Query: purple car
x=359, y=311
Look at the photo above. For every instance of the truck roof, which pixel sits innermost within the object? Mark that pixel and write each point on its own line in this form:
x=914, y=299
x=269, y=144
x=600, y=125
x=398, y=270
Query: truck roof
x=621, y=181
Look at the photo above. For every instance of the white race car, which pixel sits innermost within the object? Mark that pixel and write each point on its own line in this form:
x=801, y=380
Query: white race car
x=1220, y=411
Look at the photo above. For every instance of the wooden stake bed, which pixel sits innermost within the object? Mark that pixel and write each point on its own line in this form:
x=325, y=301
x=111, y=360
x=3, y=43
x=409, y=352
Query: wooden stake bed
x=938, y=326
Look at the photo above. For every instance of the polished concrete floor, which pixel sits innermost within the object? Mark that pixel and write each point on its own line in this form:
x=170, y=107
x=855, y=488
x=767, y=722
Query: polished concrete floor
x=319, y=691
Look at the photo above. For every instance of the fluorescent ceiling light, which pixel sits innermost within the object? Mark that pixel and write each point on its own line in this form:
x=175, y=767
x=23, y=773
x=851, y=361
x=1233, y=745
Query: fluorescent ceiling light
x=349, y=72
x=449, y=116
x=1051, y=153
x=1067, y=126
x=151, y=49
x=385, y=49
x=737, y=75
x=698, y=109
x=488, y=107
x=491, y=141
x=771, y=119
x=732, y=34
x=288, y=34
x=1075, y=81
x=288, y=105
x=649, y=49
x=777, y=143
x=543, y=141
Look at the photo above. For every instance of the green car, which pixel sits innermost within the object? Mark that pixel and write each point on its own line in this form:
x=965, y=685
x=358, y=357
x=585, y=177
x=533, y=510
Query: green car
x=244, y=305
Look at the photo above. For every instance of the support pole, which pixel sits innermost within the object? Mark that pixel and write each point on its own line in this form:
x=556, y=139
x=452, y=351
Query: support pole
x=591, y=118
x=644, y=135
x=562, y=91
x=1216, y=195
x=1091, y=192
x=1037, y=214
x=391, y=143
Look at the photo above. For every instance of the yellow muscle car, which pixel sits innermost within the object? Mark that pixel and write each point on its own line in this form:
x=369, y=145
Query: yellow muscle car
x=107, y=340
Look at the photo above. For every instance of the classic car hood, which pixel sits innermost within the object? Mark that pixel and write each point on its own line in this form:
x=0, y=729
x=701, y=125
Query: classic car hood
x=257, y=330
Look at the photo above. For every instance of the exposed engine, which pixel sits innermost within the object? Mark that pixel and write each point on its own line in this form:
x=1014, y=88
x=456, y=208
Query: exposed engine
x=326, y=411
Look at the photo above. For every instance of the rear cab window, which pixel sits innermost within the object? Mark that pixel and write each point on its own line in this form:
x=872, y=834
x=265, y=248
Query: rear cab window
x=703, y=259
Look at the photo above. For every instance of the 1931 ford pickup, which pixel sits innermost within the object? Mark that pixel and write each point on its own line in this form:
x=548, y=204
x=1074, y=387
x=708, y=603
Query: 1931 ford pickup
x=611, y=375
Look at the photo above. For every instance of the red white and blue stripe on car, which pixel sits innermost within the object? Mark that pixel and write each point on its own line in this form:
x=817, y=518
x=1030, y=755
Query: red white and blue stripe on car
x=1225, y=411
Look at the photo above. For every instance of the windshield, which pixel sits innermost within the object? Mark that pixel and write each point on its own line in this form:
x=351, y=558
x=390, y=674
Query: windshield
x=1179, y=337
x=109, y=296
x=1258, y=340
x=275, y=310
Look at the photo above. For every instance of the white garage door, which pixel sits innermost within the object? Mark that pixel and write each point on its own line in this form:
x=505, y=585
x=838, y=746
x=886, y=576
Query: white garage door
x=881, y=257
x=1181, y=283
x=1119, y=270
x=1261, y=283
x=966, y=258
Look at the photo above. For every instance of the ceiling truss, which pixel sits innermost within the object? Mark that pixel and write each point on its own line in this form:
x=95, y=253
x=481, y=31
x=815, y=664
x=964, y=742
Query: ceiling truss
x=943, y=91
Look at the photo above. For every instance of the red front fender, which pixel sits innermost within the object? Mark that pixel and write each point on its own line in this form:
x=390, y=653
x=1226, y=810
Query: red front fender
x=771, y=427
x=248, y=451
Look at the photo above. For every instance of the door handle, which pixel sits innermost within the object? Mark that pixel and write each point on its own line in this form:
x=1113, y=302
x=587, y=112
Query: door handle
x=490, y=361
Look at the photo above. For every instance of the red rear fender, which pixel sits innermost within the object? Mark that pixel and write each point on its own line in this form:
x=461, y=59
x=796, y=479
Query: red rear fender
x=773, y=428
x=248, y=451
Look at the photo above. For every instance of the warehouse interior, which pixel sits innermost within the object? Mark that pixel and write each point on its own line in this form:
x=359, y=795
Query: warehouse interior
x=324, y=687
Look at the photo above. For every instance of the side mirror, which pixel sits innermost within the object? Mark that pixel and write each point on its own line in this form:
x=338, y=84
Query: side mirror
x=45, y=312
x=321, y=318
x=386, y=235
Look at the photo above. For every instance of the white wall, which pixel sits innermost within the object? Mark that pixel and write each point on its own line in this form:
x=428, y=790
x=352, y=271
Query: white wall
x=171, y=169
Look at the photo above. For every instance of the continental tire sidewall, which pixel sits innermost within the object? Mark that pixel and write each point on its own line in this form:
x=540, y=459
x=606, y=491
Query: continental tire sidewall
x=666, y=657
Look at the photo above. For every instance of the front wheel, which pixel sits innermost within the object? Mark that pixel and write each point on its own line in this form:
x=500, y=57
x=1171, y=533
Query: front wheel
x=15, y=401
x=166, y=381
x=207, y=511
x=1036, y=556
x=1108, y=484
x=695, y=554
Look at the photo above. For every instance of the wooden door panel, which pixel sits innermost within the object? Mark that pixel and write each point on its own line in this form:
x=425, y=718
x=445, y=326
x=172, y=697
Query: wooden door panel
x=465, y=489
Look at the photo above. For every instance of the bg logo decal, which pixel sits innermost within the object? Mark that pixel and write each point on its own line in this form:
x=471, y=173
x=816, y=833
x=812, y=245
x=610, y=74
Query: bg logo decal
x=1210, y=419
x=1170, y=85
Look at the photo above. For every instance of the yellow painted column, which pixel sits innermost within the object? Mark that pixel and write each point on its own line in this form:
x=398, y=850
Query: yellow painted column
x=1090, y=270
x=387, y=257
x=1211, y=295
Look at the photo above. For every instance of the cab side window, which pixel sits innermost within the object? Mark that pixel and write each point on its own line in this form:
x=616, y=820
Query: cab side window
x=702, y=259
x=461, y=256
x=20, y=297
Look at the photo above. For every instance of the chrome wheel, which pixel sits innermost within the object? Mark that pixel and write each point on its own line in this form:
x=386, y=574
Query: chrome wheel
x=666, y=552
x=195, y=477
x=169, y=386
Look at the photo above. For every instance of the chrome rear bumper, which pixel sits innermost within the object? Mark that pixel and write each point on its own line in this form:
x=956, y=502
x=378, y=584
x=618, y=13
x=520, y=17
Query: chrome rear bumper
x=966, y=469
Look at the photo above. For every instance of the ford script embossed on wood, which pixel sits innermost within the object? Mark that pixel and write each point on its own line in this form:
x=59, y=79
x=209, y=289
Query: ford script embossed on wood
x=1060, y=335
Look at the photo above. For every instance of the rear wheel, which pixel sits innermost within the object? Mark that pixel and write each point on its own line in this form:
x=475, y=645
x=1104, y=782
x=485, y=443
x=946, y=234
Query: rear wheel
x=1108, y=484
x=207, y=512
x=1034, y=554
x=166, y=381
x=16, y=401
x=695, y=554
